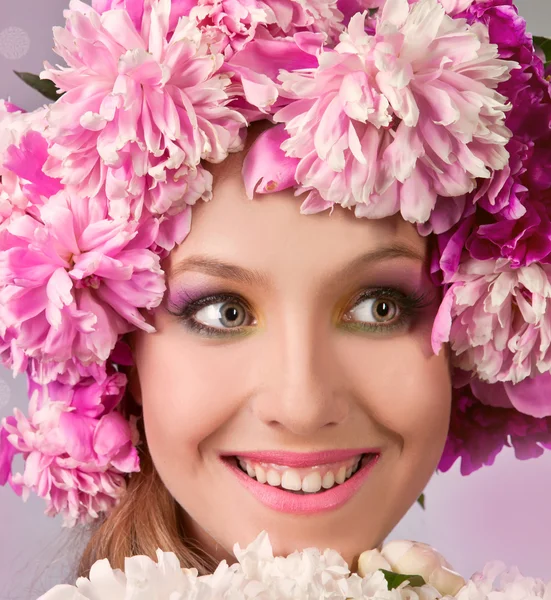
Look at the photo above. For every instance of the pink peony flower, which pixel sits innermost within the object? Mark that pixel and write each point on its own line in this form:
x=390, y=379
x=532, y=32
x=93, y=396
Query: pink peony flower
x=318, y=16
x=479, y=432
x=76, y=448
x=497, y=320
x=73, y=281
x=386, y=123
x=141, y=108
x=231, y=24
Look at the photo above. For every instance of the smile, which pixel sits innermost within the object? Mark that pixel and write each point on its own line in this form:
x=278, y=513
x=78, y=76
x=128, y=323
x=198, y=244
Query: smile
x=302, y=483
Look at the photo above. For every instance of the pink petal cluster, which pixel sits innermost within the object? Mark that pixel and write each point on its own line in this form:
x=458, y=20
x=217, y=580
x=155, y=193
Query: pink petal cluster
x=72, y=281
x=497, y=320
x=294, y=16
x=137, y=8
x=76, y=447
x=142, y=108
x=23, y=152
x=387, y=123
x=478, y=433
x=231, y=24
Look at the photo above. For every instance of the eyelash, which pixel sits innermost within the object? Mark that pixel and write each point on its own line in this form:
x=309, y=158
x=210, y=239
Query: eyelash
x=409, y=304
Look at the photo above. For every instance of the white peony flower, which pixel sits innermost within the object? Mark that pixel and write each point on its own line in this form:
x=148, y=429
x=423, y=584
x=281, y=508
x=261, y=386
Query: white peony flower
x=306, y=575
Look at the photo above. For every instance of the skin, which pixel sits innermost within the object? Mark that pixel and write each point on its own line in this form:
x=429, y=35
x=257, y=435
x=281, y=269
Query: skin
x=301, y=380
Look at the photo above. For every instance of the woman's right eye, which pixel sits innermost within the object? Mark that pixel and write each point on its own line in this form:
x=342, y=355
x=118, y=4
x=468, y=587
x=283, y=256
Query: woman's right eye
x=217, y=315
x=230, y=314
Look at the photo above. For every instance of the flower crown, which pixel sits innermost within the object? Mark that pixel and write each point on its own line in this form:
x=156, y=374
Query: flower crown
x=439, y=110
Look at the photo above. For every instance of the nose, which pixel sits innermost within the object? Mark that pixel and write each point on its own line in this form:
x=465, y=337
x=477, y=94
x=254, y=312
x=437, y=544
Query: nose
x=303, y=386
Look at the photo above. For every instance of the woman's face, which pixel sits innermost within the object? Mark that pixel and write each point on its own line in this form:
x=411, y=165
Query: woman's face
x=291, y=335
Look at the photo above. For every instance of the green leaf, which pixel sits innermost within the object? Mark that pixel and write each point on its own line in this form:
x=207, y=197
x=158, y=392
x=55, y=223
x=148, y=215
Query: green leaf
x=395, y=579
x=44, y=86
x=421, y=501
x=544, y=44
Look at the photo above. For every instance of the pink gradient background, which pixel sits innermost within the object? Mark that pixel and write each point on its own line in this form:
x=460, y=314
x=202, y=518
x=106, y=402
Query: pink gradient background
x=501, y=512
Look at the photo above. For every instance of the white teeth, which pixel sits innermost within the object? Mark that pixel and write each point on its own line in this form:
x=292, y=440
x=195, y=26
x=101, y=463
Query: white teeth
x=312, y=482
x=273, y=478
x=341, y=475
x=260, y=474
x=291, y=480
x=328, y=480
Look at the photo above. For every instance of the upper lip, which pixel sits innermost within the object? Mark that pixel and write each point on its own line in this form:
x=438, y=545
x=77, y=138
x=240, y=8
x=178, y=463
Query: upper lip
x=301, y=459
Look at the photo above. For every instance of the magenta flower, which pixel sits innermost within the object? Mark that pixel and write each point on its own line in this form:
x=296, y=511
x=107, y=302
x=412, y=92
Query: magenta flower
x=76, y=448
x=74, y=280
x=497, y=320
x=532, y=396
x=141, y=108
x=508, y=193
x=398, y=118
x=522, y=241
x=479, y=432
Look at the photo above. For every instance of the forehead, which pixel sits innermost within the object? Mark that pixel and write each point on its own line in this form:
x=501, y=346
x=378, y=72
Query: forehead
x=233, y=226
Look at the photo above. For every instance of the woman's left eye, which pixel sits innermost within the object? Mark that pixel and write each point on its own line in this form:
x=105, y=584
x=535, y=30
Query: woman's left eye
x=378, y=308
x=384, y=310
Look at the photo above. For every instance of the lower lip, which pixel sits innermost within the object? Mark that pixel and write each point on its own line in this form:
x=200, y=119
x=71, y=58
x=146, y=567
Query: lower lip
x=303, y=504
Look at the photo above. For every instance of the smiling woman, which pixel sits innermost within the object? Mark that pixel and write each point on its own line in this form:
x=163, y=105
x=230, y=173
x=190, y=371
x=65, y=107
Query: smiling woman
x=266, y=267
x=294, y=359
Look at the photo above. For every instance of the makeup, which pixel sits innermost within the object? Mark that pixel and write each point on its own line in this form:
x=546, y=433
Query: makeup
x=285, y=501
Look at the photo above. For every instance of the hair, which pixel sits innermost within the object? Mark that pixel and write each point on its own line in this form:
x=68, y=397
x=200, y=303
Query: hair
x=147, y=517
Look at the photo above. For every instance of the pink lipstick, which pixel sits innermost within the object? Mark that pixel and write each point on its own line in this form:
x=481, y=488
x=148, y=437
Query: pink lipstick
x=298, y=502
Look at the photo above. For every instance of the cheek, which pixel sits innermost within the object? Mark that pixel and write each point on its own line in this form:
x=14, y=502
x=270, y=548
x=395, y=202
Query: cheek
x=187, y=394
x=407, y=390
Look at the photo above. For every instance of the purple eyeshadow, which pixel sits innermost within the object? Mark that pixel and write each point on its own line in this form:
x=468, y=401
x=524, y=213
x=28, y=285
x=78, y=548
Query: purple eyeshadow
x=182, y=296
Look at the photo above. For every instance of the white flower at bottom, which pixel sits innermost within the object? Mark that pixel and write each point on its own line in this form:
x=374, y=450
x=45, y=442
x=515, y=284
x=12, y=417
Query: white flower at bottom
x=142, y=578
x=498, y=582
x=416, y=558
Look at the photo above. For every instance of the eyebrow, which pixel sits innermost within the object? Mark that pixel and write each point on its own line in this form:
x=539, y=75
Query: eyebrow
x=215, y=267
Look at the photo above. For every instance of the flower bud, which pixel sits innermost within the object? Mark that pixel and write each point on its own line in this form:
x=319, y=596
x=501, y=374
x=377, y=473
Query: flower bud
x=446, y=581
x=416, y=558
x=371, y=561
